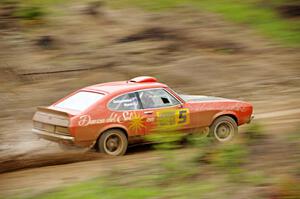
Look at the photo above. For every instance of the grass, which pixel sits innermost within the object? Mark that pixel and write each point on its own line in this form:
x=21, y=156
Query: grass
x=98, y=189
x=183, y=176
x=262, y=18
x=36, y=2
x=31, y=10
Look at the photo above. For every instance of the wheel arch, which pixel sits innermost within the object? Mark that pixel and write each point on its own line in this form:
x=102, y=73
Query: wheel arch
x=123, y=129
x=229, y=114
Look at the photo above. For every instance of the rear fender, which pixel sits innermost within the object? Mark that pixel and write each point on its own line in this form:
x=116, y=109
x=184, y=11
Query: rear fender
x=112, y=126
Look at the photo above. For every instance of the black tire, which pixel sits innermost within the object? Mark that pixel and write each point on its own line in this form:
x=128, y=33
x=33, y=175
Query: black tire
x=223, y=129
x=113, y=142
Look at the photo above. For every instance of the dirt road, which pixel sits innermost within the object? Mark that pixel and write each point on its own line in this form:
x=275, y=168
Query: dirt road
x=193, y=52
x=38, y=180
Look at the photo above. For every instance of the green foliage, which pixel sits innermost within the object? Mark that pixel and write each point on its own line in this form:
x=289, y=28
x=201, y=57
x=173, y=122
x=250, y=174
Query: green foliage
x=254, y=132
x=256, y=178
x=30, y=12
x=229, y=159
x=190, y=190
x=206, y=148
x=263, y=18
x=288, y=188
x=7, y=2
x=230, y=156
x=165, y=139
x=200, y=141
x=101, y=189
x=173, y=169
x=174, y=176
x=34, y=9
x=36, y=2
x=294, y=136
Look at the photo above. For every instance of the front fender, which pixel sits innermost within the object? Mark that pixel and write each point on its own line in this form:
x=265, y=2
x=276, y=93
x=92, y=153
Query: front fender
x=223, y=113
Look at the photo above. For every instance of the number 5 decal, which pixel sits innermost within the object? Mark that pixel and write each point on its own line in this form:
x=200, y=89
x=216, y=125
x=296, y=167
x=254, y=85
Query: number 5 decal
x=183, y=116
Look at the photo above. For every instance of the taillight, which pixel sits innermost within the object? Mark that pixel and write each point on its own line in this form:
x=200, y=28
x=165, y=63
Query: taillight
x=62, y=130
x=43, y=126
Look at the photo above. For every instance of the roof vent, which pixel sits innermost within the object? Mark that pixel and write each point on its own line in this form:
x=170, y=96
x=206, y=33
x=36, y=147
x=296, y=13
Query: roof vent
x=143, y=79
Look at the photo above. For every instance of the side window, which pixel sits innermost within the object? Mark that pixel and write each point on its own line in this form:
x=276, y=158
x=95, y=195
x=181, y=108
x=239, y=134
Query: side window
x=125, y=102
x=156, y=98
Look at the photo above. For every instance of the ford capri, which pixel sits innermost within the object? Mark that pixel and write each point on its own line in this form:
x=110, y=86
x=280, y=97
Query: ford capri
x=111, y=116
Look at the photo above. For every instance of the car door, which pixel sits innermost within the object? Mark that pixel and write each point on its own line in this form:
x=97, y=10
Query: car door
x=162, y=111
x=127, y=111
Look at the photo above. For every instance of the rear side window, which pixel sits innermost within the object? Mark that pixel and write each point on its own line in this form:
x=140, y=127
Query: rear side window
x=157, y=98
x=125, y=102
x=80, y=101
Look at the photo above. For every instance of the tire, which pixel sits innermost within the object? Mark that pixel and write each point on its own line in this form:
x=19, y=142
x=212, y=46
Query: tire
x=224, y=129
x=113, y=142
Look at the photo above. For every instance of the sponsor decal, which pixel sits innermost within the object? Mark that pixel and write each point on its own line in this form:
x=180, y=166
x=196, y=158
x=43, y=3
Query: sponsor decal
x=86, y=120
x=238, y=106
x=126, y=103
x=136, y=123
x=173, y=117
x=164, y=119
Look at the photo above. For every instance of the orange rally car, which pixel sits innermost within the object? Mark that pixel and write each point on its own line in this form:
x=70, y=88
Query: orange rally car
x=110, y=116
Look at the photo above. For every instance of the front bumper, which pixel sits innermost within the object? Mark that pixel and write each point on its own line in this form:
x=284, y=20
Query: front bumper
x=251, y=118
x=53, y=137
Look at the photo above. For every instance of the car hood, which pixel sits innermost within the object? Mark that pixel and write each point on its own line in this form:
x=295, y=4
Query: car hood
x=200, y=98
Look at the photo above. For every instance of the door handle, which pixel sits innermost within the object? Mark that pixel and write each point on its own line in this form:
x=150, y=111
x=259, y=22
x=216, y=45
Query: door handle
x=148, y=112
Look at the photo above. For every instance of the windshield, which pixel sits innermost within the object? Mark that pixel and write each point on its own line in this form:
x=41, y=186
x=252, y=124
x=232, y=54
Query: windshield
x=80, y=101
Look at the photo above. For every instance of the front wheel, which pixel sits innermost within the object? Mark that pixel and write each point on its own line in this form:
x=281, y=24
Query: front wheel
x=113, y=142
x=224, y=129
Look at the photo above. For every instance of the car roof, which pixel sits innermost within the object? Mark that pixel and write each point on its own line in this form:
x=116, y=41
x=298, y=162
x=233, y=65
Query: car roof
x=138, y=83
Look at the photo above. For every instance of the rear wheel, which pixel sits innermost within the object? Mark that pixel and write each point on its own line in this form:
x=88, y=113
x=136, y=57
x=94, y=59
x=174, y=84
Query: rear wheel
x=113, y=142
x=224, y=129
